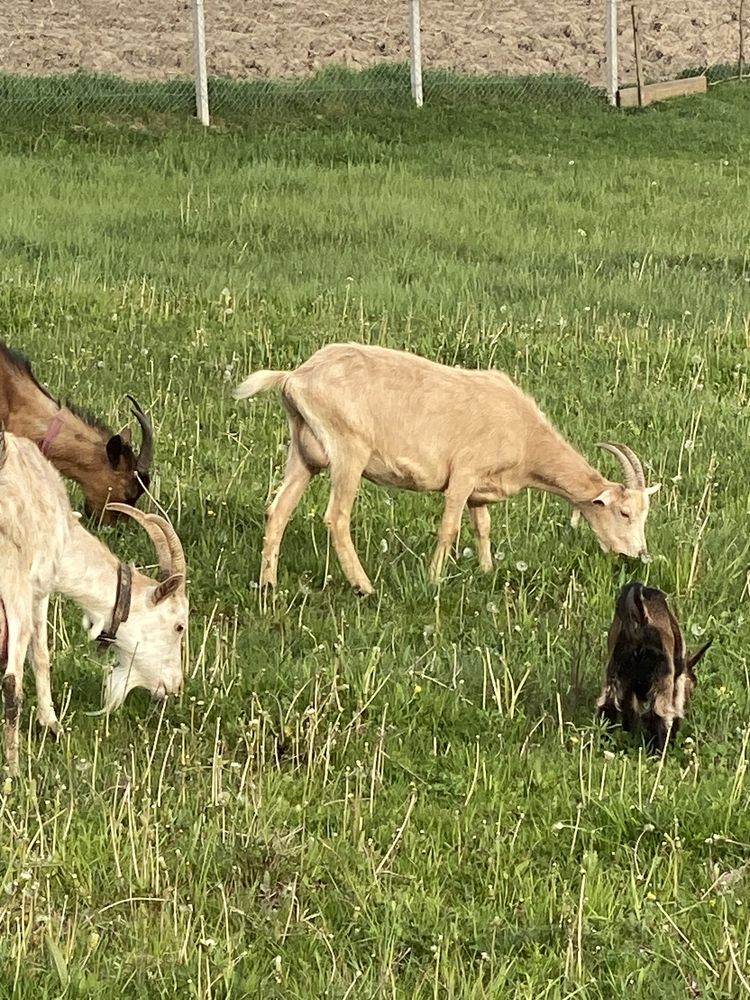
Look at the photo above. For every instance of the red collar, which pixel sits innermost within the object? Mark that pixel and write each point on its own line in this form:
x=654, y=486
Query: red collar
x=52, y=431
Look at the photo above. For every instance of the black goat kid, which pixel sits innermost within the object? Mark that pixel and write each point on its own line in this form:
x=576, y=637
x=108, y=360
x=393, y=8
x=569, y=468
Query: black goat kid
x=649, y=678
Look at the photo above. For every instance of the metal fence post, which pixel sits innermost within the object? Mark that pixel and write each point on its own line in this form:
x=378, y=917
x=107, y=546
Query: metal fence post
x=201, y=76
x=611, y=50
x=415, y=45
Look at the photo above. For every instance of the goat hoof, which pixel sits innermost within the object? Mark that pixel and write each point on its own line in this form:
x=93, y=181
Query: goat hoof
x=362, y=589
x=52, y=726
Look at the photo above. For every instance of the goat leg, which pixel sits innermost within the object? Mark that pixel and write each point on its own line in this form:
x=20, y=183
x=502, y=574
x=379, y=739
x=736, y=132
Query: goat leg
x=344, y=484
x=607, y=705
x=45, y=710
x=456, y=495
x=657, y=732
x=12, y=703
x=13, y=692
x=480, y=520
x=296, y=478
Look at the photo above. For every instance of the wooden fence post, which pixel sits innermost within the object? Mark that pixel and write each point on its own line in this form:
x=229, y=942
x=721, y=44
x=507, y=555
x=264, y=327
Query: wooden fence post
x=613, y=82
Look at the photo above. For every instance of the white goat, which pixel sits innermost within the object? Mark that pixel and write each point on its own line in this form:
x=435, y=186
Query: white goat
x=44, y=550
x=401, y=420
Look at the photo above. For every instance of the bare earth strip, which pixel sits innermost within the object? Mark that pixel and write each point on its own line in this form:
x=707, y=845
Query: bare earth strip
x=151, y=39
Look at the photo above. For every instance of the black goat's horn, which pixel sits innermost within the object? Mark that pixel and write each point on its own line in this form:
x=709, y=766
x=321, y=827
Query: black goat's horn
x=146, y=454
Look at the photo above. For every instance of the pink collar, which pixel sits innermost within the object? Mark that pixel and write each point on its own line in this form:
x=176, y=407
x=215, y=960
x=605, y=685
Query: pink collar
x=52, y=431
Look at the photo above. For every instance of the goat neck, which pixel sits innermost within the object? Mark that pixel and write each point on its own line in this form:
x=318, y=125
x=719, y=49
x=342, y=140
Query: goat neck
x=87, y=573
x=556, y=467
x=76, y=447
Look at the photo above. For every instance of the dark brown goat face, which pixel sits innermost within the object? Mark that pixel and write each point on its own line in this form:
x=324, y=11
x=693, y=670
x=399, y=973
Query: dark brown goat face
x=123, y=476
x=118, y=481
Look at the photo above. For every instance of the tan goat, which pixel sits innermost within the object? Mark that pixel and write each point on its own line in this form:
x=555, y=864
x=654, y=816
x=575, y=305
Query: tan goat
x=44, y=549
x=401, y=420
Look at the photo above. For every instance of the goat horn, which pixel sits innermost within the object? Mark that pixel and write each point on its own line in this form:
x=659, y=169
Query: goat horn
x=631, y=464
x=146, y=454
x=162, y=534
x=178, y=564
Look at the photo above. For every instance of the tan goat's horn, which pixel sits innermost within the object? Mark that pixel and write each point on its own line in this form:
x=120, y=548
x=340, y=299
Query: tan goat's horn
x=631, y=464
x=162, y=534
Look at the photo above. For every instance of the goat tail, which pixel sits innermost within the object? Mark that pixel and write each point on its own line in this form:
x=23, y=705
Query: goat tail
x=635, y=605
x=259, y=382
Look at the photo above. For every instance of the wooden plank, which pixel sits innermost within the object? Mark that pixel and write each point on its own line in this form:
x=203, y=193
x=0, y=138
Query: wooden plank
x=628, y=98
x=611, y=56
x=637, y=47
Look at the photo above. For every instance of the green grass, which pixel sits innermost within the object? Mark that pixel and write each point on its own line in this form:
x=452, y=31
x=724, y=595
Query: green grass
x=403, y=796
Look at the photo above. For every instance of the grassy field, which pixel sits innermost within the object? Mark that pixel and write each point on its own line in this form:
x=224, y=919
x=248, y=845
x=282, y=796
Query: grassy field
x=405, y=796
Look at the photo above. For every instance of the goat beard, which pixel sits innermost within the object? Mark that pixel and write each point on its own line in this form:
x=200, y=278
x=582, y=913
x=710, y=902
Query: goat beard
x=117, y=685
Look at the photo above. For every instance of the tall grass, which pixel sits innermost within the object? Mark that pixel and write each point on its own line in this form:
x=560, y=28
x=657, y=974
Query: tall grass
x=405, y=795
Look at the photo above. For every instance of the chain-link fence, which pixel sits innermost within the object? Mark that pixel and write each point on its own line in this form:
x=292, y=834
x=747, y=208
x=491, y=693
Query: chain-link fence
x=108, y=55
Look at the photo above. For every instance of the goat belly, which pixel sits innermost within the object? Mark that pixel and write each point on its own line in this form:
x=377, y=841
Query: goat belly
x=404, y=474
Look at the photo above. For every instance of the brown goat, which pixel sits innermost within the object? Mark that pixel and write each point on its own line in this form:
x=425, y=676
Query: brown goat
x=649, y=678
x=404, y=421
x=80, y=447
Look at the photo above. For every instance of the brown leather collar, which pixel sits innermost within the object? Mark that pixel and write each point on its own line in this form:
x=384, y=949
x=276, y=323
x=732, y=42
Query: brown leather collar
x=121, y=609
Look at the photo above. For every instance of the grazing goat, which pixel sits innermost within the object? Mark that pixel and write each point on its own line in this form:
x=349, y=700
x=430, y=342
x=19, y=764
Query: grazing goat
x=649, y=677
x=401, y=420
x=77, y=444
x=43, y=550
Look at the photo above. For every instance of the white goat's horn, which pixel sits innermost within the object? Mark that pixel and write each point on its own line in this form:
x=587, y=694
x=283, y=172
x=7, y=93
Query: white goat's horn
x=178, y=563
x=162, y=534
x=631, y=464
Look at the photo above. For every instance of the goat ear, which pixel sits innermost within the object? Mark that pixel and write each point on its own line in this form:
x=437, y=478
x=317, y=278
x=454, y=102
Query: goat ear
x=697, y=655
x=650, y=490
x=126, y=436
x=575, y=518
x=115, y=448
x=167, y=587
x=604, y=499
